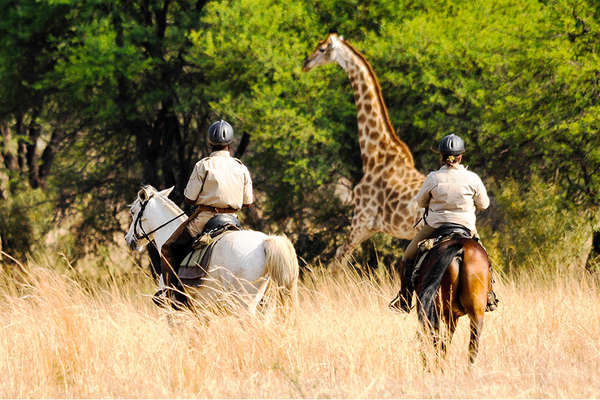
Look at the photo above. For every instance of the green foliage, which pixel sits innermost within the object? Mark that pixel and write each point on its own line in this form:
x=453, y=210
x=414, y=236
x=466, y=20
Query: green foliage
x=516, y=79
x=534, y=226
x=97, y=98
x=293, y=150
x=25, y=217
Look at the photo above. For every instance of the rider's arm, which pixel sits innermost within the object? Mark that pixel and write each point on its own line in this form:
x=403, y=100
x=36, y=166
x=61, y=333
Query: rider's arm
x=424, y=194
x=481, y=199
x=248, y=195
x=195, y=183
x=188, y=207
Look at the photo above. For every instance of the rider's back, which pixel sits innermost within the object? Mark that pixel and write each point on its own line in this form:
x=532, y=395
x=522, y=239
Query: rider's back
x=452, y=194
x=220, y=181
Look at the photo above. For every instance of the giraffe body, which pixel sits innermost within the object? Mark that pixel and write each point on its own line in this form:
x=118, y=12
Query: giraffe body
x=383, y=199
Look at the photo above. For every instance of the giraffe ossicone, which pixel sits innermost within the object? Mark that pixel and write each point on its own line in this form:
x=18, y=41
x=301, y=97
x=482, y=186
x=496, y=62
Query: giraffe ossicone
x=384, y=197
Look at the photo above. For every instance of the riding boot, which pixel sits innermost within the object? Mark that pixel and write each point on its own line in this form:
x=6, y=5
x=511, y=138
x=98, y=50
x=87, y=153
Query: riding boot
x=174, y=293
x=492, y=299
x=403, y=299
x=173, y=252
x=166, y=296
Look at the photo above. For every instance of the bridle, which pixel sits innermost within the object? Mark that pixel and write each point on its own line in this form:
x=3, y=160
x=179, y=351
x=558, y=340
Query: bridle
x=138, y=222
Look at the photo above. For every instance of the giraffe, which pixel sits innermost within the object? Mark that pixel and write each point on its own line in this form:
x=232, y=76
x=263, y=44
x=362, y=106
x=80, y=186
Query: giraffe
x=383, y=199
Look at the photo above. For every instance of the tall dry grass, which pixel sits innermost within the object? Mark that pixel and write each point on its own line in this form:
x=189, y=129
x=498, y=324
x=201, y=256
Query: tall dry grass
x=60, y=337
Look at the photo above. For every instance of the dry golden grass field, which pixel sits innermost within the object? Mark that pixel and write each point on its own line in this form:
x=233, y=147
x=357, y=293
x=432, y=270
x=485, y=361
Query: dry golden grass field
x=63, y=337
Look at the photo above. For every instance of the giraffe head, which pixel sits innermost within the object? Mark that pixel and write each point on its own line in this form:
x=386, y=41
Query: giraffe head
x=325, y=52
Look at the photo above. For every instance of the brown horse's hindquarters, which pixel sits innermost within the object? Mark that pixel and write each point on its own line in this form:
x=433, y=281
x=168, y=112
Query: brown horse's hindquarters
x=450, y=287
x=476, y=280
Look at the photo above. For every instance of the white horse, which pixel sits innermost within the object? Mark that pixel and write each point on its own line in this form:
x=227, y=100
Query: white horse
x=243, y=263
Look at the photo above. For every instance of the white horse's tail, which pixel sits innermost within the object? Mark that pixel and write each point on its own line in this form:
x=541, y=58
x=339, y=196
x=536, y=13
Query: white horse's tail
x=282, y=266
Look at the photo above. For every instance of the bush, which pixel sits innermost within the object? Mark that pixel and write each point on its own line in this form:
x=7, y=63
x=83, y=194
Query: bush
x=534, y=228
x=25, y=217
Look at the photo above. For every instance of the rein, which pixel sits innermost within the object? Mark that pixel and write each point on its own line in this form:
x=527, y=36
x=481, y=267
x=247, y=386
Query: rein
x=138, y=222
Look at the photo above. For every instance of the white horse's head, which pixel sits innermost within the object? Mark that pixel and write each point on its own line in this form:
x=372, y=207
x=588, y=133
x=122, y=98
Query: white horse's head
x=148, y=212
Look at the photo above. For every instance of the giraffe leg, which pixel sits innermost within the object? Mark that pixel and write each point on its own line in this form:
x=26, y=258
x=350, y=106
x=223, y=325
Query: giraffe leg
x=358, y=234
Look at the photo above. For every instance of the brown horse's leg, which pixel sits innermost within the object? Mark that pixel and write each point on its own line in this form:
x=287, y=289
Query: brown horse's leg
x=441, y=341
x=473, y=291
x=430, y=340
x=476, y=326
x=451, y=320
x=449, y=292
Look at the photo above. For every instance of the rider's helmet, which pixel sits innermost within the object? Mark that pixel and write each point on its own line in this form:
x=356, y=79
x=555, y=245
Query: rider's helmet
x=220, y=133
x=452, y=145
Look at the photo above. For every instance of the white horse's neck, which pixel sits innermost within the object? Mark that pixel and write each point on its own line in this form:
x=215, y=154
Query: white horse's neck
x=160, y=211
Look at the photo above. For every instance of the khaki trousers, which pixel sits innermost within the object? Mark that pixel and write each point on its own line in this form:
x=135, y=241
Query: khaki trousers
x=413, y=247
x=197, y=222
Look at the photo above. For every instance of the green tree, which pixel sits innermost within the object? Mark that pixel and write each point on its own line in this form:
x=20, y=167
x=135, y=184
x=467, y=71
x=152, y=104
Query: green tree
x=98, y=97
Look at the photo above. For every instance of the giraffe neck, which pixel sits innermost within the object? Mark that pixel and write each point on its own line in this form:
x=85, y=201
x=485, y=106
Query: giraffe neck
x=375, y=132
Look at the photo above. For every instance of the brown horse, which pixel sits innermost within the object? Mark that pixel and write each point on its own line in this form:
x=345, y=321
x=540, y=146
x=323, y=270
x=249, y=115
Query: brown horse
x=453, y=280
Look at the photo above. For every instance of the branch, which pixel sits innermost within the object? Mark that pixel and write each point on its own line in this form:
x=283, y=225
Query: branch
x=243, y=145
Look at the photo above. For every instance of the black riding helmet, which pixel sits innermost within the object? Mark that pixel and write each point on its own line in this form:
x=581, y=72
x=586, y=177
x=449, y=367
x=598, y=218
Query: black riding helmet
x=220, y=133
x=452, y=145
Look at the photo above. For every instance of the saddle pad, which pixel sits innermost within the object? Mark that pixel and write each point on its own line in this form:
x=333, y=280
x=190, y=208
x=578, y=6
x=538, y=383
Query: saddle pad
x=195, y=264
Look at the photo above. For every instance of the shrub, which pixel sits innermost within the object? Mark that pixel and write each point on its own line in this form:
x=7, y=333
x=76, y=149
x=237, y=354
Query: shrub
x=25, y=217
x=536, y=227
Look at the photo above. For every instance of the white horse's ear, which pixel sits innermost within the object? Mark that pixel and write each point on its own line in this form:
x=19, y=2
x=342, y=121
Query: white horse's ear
x=143, y=195
x=335, y=40
x=166, y=192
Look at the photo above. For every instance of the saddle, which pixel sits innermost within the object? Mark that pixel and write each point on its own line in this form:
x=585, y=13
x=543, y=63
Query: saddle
x=221, y=223
x=440, y=235
x=194, y=265
x=444, y=233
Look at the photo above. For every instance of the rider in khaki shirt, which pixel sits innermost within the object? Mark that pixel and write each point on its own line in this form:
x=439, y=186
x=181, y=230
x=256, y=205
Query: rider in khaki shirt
x=450, y=195
x=219, y=184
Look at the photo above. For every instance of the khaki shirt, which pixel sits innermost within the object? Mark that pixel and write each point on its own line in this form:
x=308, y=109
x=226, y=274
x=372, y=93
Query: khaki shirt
x=220, y=180
x=453, y=194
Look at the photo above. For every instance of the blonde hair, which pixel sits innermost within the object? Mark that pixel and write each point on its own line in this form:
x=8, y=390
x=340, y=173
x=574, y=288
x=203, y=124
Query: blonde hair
x=451, y=160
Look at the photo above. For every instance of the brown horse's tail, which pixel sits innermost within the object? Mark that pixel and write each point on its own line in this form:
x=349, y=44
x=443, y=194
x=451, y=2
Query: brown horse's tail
x=428, y=278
